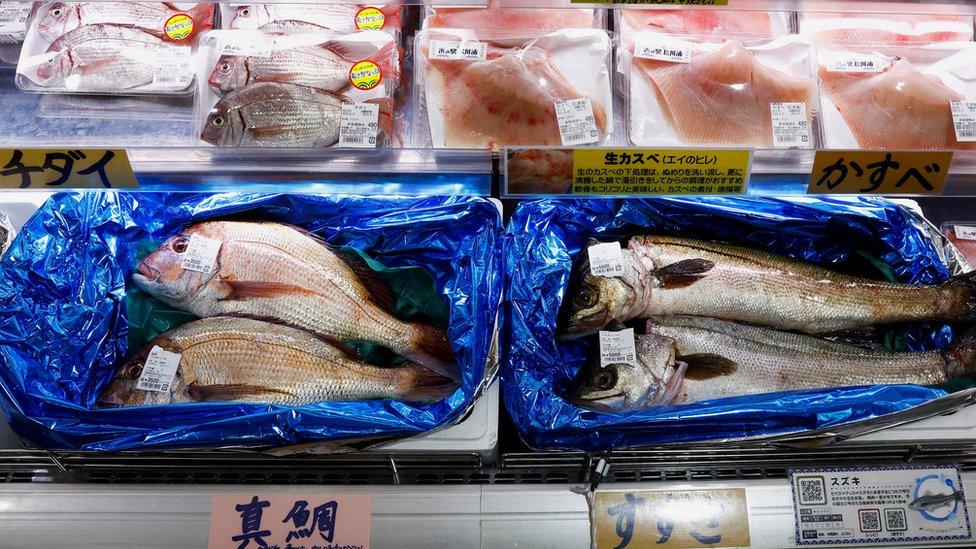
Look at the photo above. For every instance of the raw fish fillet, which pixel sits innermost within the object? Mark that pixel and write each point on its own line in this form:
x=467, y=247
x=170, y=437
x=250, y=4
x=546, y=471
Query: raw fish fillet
x=897, y=108
x=507, y=99
x=724, y=96
x=495, y=17
x=902, y=28
x=701, y=21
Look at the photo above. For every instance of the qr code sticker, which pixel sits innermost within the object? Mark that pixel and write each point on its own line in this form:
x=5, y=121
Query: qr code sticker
x=813, y=490
x=870, y=520
x=895, y=520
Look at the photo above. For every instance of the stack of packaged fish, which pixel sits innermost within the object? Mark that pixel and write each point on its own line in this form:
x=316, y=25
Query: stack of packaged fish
x=112, y=47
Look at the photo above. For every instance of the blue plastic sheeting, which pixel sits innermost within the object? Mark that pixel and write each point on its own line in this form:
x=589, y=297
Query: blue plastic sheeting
x=62, y=290
x=544, y=237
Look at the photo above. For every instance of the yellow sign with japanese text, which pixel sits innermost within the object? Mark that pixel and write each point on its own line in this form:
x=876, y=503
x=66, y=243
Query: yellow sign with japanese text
x=656, y=2
x=671, y=519
x=65, y=169
x=660, y=171
x=879, y=172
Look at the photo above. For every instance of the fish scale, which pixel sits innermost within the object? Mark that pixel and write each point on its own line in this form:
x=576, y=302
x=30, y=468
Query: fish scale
x=341, y=18
x=123, y=57
x=63, y=17
x=314, y=66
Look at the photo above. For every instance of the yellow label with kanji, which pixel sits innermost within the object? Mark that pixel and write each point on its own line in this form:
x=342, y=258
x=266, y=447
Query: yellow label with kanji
x=879, y=172
x=65, y=169
x=660, y=171
x=671, y=519
x=656, y=2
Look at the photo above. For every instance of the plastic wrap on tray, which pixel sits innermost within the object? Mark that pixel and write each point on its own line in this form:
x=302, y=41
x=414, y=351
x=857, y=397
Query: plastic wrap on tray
x=280, y=18
x=885, y=28
x=898, y=97
x=68, y=290
x=298, y=90
x=494, y=16
x=962, y=234
x=704, y=22
x=720, y=90
x=866, y=236
x=491, y=89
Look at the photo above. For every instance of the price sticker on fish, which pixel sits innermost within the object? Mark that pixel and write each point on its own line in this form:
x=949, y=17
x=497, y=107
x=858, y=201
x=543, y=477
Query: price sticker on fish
x=359, y=125
x=618, y=348
x=200, y=254
x=790, y=125
x=606, y=259
x=159, y=370
x=13, y=21
x=964, y=119
x=577, y=125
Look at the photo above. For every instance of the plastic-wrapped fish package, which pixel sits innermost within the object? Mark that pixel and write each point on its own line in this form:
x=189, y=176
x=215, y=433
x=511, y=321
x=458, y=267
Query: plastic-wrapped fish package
x=493, y=88
x=496, y=17
x=219, y=320
x=14, y=21
x=703, y=22
x=901, y=97
x=887, y=28
x=112, y=47
x=313, y=17
x=297, y=90
x=962, y=234
x=752, y=362
x=720, y=90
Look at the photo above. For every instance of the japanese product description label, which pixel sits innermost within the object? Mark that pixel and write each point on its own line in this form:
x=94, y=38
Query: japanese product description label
x=857, y=62
x=964, y=119
x=606, y=259
x=879, y=172
x=370, y=18
x=173, y=67
x=879, y=505
x=13, y=21
x=200, y=254
x=359, y=125
x=464, y=51
x=964, y=233
x=660, y=171
x=790, y=125
x=254, y=48
x=296, y=521
x=618, y=348
x=670, y=519
x=577, y=125
x=662, y=48
x=159, y=371
x=65, y=169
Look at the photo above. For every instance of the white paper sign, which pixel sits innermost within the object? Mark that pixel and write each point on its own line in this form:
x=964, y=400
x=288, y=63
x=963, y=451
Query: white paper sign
x=879, y=505
x=662, y=49
x=606, y=259
x=464, y=51
x=964, y=119
x=159, y=371
x=257, y=48
x=790, y=125
x=359, y=125
x=577, y=124
x=618, y=347
x=200, y=254
x=964, y=233
x=858, y=62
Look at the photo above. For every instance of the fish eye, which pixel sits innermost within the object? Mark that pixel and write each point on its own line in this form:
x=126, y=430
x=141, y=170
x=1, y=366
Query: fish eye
x=246, y=11
x=133, y=371
x=179, y=245
x=224, y=67
x=56, y=12
x=218, y=121
x=587, y=297
x=605, y=379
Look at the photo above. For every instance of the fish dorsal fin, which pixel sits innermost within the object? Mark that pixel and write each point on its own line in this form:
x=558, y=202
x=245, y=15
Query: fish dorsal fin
x=683, y=273
x=376, y=286
x=244, y=289
x=707, y=365
x=236, y=391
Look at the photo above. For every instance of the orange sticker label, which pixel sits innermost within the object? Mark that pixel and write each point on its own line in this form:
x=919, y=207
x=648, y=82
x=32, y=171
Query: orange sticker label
x=370, y=19
x=365, y=75
x=179, y=27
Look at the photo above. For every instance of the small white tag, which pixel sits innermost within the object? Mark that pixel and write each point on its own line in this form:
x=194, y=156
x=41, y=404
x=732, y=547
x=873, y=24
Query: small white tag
x=790, y=125
x=618, y=347
x=606, y=259
x=200, y=254
x=359, y=125
x=964, y=119
x=464, y=51
x=965, y=233
x=662, y=50
x=858, y=62
x=173, y=67
x=262, y=49
x=158, y=372
x=577, y=125
x=13, y=21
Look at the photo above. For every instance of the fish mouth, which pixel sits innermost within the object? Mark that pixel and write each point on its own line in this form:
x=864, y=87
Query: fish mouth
x=147, y=273
x=569, y=330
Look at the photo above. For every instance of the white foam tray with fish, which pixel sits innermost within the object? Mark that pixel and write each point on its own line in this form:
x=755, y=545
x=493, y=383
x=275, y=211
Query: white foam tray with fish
x=685, y=21
x=102, y=58
x=719, y=90
x=339, y=18
x=895, y=97
x=507, y=94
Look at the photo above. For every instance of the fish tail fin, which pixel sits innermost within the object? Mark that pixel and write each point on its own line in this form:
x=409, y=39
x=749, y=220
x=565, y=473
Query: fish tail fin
x=429, y=347
x=428, y=386
x=203, y=16
x=961, y=356
x=388, y=58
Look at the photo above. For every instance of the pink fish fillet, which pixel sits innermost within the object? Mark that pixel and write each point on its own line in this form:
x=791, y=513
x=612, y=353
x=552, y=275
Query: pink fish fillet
x=701, y=21
x=897, y=108
x=890, y=28
x=495, y=17
x=723, y=97
x=507, y=99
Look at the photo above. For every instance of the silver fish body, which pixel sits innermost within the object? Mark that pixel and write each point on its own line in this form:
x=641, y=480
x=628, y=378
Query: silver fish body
x=336, y=17
x=64, y=17
x=316, y=66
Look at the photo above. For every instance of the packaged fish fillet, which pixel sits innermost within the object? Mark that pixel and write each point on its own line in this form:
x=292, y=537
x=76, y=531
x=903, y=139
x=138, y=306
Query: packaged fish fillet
x=962, y=234
x=704, y=22
x=301, y=90
x=314, y=17
x=494, y=16
x=900, y=97
x=310, y=319
x=605, y=352
x=711, y=90
x=887, y=28
x=491, y=89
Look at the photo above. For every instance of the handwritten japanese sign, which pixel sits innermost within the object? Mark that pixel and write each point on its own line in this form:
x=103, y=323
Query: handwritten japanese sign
x=666, y=519
x=65, y=169
x=292, y=521
x=879, y=172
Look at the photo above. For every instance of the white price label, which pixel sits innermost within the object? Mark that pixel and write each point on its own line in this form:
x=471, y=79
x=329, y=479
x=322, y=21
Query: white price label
x=964, y=233
x=661, y=49
x=618, y=348
x=464, y=51
x=200, y=254
x=258, y=48
x=159, y=371
x=606, y=259
x=879, y=505
x=577, y=124
x=173, y=67
x=13, y=21
x=790, y=125
x=359, y=125
x=858, y=62
x=964, y=119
